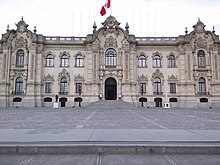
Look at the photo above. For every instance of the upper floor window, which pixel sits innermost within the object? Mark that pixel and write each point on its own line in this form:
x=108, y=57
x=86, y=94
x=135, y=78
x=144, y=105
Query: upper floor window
x=49, y=60
x=156, y=61
x=64, y=60
x=172, y=87
x=201, y=58
x=63, y=86
x=141, y=61
x=79, y=61
x=79, y=88
x=202, y=86
x=110, y=58
x=48, y=87
x=19, y=85
x=157, y=85
x=20, y=58
x=171, y=61
x=142, y=88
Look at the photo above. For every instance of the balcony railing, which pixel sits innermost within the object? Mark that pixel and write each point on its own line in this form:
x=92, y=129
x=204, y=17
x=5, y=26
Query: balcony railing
x=17, y=92
x=203, y=93
x=158, y=93
x=63, y=93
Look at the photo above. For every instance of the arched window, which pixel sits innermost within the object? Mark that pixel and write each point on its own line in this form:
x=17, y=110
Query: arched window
x=142, y=61
x=110, y=58
x=173, y=100
x=79, y=61
x=171, y=61
x=63, y=86
x=157, y=86
x=19, y=85
x=20, y=58
x=202, y=86
x=64, y=60
x=49, y=60
x=201, y=58
x=156, y=61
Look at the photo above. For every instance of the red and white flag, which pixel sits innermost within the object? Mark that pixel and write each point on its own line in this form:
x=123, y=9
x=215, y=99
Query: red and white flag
x=106, y=5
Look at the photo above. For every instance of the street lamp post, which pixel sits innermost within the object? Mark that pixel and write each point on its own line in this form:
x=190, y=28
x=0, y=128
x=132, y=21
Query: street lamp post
x=80, y=91
x=142, y=92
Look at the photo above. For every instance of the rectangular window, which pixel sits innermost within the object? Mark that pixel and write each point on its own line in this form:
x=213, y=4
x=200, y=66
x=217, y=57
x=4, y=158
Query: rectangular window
x=142, y=88
x=172, y=87
x=78, y=87
x=48, y=87
x=64, y=62
x=49, y=62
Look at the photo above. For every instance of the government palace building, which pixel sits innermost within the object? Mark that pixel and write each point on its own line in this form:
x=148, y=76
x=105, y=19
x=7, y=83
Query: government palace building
x=110, y=64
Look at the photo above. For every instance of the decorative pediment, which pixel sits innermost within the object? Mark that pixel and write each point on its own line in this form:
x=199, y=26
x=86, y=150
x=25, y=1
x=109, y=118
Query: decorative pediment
x=79, y=78
x=142, y=78
x=64, y=52
x=158, y=74
x=63, y=73
x=48, y=53
x=49, y=78
x=172, y=78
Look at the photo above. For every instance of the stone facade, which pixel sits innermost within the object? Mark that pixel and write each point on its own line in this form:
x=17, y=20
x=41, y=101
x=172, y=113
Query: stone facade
x=110, y=64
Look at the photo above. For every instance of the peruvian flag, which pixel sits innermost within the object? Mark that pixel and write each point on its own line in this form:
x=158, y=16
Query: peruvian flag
x=106, y=5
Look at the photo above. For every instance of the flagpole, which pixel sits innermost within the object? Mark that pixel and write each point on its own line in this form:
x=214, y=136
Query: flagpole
x=111, y=8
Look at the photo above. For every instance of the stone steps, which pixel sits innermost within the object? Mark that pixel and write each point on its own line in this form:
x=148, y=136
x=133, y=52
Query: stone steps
x=111, y=104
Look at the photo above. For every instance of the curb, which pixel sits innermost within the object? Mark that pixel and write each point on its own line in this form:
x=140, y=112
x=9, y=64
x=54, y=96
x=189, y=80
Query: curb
x=111, y=148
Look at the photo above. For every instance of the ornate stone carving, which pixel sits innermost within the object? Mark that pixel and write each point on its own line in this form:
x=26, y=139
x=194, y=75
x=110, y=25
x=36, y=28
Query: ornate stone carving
x=21, y=43
x=63, y=73
x=158, y=74
x=110, y=42
x=49, y=78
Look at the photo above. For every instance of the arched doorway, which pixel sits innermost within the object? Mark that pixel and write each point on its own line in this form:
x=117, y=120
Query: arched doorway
x=110, y=89
x=158, y=102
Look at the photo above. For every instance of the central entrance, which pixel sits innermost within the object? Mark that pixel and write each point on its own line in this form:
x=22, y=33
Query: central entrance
x=110, y=89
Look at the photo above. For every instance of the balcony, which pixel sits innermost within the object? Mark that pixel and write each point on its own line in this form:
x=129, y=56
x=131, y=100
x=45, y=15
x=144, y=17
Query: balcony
x=63, y=93
x=158, y=93
x=203, y=93
x=17, y=92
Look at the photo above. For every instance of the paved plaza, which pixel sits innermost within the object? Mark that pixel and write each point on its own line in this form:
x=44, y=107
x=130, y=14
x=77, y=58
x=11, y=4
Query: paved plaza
x=109, y=133
x=109, y=116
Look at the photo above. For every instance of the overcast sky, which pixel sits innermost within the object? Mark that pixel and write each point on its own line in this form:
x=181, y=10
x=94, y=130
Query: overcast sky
x=76, y=17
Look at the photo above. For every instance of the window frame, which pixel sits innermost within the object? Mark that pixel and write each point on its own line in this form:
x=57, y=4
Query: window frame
x=49, y=60
x=19, y=85
x=171, y=61
x=78, y=88
x=142, y=86
x=157, y=86
x=201, y=59
x=79, y=61
x=64, y=60
x=20, y=58
x=110, y=58
x=172, y=87
x=63, y=85
x=156, y=61
x=142, y=61
x=202, y=86
x=48, y=87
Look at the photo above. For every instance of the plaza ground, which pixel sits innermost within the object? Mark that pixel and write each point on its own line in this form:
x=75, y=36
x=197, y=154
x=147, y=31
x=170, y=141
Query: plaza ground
x=114, y=124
